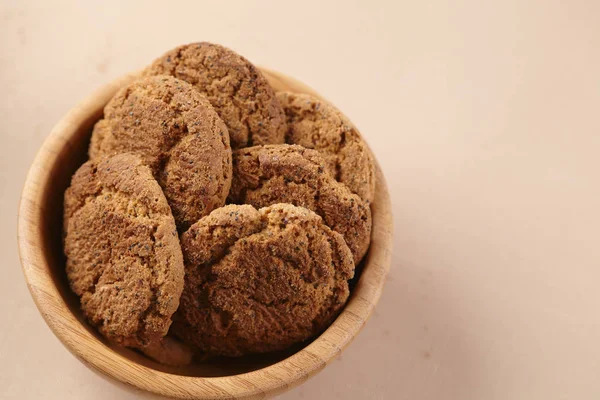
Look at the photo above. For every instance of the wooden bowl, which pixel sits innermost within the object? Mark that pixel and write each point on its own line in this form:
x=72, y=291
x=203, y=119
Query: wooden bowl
x=39, y=238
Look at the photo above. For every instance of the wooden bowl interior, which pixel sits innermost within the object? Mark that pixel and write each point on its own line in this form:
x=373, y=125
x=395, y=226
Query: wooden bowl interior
x=45, y=189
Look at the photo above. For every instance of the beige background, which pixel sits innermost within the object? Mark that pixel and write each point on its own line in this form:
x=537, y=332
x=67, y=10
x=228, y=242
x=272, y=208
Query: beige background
x=486, y=119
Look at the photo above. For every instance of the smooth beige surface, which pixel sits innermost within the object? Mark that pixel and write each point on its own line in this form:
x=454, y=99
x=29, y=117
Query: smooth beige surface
x=486, y=120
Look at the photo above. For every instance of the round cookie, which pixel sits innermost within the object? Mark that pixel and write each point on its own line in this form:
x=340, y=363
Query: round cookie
x=265, y=175
x=236, y=89
x=124, y=260
x=178, y=135
x=260, y=280
x=316, y=124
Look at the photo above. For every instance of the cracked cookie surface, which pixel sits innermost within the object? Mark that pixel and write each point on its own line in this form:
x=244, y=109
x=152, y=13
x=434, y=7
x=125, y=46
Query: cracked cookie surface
x=265, y=175
x=124, y=260
x=260, y=280
x=178, y=135
x=316, y=124
x=237, y=90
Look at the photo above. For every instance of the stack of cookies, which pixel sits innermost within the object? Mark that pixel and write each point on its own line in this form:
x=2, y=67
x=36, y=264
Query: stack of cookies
x=215, y=216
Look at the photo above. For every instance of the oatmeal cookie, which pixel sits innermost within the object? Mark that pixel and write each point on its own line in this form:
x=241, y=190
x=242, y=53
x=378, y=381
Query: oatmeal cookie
x=124, y=260
x=260, y=280
x=178, y=135
x=237, y=90
x=265, y=175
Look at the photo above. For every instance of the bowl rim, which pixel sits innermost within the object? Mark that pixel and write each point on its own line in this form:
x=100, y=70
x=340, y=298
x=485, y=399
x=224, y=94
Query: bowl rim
x=270, y=380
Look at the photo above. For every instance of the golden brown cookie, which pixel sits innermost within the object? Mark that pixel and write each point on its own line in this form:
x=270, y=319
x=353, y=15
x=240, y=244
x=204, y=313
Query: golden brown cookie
x=260, y=280
x=124, y=260
x=178, y=134
x=316, y=124
x=265, y=175
x=236, y=89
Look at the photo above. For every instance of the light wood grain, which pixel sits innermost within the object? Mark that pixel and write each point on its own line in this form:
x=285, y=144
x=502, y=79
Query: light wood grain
x=39, y=238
